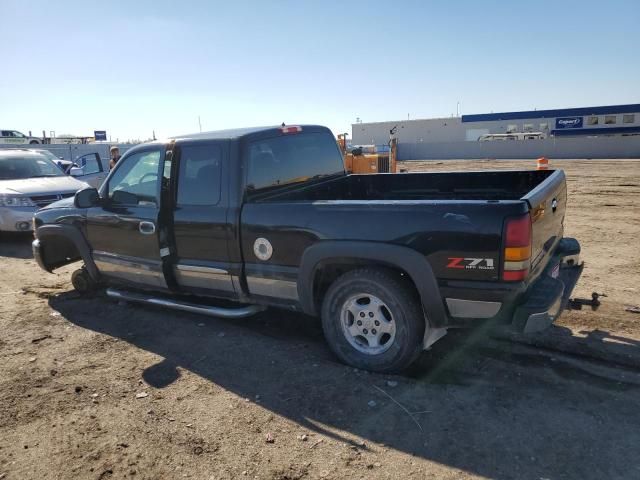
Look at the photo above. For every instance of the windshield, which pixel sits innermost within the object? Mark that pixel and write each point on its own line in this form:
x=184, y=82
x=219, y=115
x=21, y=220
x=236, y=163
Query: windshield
x=28, y=166
x=48, y=154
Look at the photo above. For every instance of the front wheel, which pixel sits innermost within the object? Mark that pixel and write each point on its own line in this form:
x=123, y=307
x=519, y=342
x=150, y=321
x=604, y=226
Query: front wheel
x=372, y=319
x=34, y=142
x=82, y=282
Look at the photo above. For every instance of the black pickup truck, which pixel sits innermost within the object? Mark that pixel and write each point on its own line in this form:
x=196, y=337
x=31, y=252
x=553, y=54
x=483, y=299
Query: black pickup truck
x=227, y=223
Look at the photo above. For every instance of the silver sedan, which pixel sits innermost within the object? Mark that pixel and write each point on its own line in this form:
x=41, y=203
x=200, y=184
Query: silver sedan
x=29, y=181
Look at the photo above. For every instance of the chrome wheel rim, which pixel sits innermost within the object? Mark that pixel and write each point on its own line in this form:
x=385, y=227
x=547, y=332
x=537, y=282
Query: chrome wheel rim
x=367, y=324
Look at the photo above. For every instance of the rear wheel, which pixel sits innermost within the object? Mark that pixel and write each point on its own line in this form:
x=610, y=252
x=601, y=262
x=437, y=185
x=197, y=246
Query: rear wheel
x=372, y=319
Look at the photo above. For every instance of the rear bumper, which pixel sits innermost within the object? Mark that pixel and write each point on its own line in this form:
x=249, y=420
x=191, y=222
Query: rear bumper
x=529, y=307
x=547, y=299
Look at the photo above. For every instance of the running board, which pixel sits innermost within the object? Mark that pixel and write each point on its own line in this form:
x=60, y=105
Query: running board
x=239, y=312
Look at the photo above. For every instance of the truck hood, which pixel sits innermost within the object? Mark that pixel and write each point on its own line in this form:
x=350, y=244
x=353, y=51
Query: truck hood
x=41, y=186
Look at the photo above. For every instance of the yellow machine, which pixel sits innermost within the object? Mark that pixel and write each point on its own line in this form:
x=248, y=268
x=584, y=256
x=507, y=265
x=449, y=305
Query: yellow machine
x=362, y=159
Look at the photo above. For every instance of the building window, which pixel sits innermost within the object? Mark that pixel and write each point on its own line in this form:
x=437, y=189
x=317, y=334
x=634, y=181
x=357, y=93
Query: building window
x=512, y=128
x=544, y=126
x=609, y=119
x=630, y=118
x=592, y=120
x=527, y=127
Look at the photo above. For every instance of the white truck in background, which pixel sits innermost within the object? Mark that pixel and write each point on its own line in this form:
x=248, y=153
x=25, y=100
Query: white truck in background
x=14, y=137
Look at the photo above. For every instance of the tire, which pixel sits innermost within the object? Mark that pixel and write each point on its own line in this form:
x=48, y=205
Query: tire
x=373, y=344
x=82, y=282
x=34, y=142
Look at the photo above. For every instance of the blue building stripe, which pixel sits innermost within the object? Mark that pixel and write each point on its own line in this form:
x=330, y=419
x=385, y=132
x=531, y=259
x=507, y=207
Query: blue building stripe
x=563, y=112
x=570, y=132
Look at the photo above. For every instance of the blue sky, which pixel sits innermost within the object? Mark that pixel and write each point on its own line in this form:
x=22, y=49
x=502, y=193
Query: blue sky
x=136, y=66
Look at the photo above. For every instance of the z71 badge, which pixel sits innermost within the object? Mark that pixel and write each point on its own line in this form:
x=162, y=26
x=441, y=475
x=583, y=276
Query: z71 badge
x=471, y=263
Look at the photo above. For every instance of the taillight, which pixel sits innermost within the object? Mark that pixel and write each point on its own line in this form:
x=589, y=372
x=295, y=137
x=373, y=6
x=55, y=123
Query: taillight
x=292, y=129
x=517, y=251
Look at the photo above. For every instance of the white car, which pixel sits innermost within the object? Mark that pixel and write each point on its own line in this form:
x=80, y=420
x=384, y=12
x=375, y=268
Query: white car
x=29, y=181
x=14, y=137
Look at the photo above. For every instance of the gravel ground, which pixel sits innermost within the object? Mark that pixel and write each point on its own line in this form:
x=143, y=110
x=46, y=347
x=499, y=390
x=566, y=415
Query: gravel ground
x=99, y=390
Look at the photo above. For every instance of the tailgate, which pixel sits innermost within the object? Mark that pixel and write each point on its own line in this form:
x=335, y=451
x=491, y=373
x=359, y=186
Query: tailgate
x=547, y=205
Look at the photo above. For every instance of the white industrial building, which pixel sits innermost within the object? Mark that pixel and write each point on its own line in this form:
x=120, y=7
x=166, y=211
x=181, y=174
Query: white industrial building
x=589, y=132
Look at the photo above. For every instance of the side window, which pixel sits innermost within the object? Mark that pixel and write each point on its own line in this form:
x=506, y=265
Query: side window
x=592, y=121
x=199, y=175
x=136, y=175
x=629, y=118
x=5, y=133
x=512, y=128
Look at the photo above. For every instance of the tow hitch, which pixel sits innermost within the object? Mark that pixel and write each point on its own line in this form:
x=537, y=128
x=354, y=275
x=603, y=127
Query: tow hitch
x=594, y=303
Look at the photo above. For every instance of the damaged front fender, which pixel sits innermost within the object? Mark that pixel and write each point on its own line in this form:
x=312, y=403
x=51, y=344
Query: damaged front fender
x=59, y=245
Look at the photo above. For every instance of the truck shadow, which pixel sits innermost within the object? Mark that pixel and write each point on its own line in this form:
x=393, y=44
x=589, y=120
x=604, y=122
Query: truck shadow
x=489, y=407
x=16, y=245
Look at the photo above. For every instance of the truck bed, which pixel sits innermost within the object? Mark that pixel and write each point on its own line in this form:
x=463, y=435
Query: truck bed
x=450, y=186
x=442, y=215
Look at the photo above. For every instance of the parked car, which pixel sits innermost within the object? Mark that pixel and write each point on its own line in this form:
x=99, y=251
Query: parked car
x=65, y=165
x=14, y=137
x=28, y=181
x=268, y=217
x=88, y=168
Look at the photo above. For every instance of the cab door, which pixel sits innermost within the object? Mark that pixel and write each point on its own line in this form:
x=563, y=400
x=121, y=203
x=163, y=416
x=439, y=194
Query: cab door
x=123, y=230
x=201, y=229
x=89, y=169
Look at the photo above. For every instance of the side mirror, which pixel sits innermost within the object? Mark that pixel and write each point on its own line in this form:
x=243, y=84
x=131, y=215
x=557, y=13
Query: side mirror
x=76, y=171
x=122, y=197
x=86, y=198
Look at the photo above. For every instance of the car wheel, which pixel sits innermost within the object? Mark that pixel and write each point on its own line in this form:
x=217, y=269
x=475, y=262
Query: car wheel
x=82, y=281
x=373, y=320
x=34, y=142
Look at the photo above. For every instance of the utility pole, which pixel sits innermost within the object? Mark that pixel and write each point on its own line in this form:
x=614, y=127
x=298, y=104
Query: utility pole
x=457, y=109
x=199, y=124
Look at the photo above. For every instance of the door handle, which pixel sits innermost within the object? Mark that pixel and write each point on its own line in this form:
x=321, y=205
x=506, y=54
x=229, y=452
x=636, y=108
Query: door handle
x=147, y=228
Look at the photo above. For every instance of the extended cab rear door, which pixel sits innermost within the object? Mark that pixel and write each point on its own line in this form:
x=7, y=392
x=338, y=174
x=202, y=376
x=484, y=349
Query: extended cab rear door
x=200, y=224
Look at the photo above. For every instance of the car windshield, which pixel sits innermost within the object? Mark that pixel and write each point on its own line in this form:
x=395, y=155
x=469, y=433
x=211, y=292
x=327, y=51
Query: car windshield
x=17, y=167
x=48, y=154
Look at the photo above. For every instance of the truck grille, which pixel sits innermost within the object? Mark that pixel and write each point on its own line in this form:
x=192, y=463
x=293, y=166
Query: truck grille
x=44, y=200
x=383, y=164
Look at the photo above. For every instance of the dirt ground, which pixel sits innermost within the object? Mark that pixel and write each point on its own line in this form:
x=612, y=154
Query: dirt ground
x=92, y=389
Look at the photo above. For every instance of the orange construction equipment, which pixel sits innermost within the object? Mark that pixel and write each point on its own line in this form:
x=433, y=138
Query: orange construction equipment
x=543, y=163
x=363, y=160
